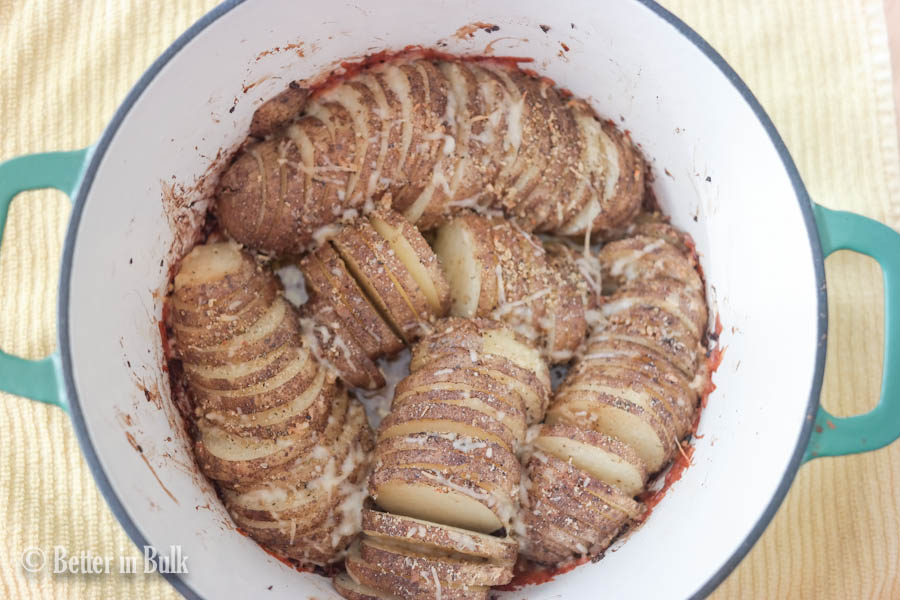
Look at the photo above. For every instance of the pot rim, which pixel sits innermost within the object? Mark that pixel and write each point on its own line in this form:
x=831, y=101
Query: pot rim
x=77, y=416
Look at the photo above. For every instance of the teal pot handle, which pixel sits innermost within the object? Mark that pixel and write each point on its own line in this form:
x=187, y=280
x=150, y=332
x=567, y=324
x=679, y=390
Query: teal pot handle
x=834, y=436
x=36, y=379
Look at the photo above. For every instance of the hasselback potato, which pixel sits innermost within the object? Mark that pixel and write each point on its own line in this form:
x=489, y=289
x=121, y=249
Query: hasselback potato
x=281, y=438
x=439, y=136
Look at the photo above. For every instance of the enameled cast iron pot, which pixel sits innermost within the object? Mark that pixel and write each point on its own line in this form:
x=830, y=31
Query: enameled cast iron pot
x=734, y=188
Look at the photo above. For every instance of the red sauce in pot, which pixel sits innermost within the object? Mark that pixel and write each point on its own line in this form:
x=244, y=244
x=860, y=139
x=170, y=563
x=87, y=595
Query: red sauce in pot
x=528, y=573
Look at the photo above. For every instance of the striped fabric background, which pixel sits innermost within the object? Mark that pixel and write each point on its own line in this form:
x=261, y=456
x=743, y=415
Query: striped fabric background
x=820, y=68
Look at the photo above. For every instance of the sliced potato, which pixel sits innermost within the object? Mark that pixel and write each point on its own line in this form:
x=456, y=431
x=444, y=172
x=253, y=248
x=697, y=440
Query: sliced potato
x=658, y=330
x=623, y=420
x=444, y=538
x=368, y=326
x=277, y=327
x=667, y=401
x=463, y=249
x=307, y=410
x=415, y=254
x=466, y=378
x=349, y=589
x=645, y=257
x=378, y=283
x=477, y=338
x=550, y=468
x=630, y=386
x=598, y=455
x=230, y=458
x=231, y=377
x=338, y=348
x=431, y=496
x=523, y=383
x=437, y=417
x=280, y=388
x=457, y=448
x=208, y=265
x=652, y=367
x=456, y=569
x=470, y=468
x=616, y=180
x=511, y=417
x=363, y=572
x=403, y=280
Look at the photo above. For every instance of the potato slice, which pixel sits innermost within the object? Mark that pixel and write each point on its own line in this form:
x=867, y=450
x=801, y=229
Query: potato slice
x=580, y=537
x=513, y=418
x=276, y=504
x=242, y=375
x=458, y=448
x=308, y=412
x=652, y=366
x=228, y=458
x=627, y=382
x=555, y=469
x=665, y=294
x=468, y=262
x=630, y=386
x=523, y=383
x=251, y=294
x=218, y=293
x=336, y=347
x=645, y=257
x=441, y=537
x=399, y=274
x=550, y=543
x=386, y=582
x=552, y=490
x=452, y=378
x=423, y=564
x=340, y=438
x=280, y=388
x=437, y=417
x=471, y=468
x=658, y=330
x=378, y=282
x=328, y=282
x=623, y=420
x=567, y=513
x=215, y=329
x=210, y=264
x=615, y=195
x=238, y=462
x=598, y=455
x=419, y=259
x=431, y=496
x=277, y=327
x=554, y=199
x=477, y=338
x=349, y=589
x=654, y=225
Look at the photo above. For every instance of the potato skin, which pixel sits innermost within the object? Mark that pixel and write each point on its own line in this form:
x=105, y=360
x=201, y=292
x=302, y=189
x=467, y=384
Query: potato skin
x=276, y=112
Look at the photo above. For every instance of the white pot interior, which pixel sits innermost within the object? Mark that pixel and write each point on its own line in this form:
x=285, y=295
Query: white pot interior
x=717, y=174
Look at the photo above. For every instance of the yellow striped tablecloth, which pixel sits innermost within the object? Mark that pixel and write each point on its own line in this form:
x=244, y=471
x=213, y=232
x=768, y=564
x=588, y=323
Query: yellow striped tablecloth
x=819, y=67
